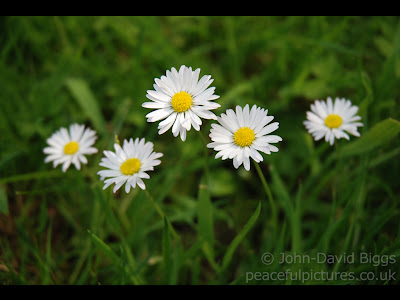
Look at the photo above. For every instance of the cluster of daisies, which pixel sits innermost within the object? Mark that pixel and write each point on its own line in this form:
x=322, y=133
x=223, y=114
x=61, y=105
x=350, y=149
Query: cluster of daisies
x=180, y=101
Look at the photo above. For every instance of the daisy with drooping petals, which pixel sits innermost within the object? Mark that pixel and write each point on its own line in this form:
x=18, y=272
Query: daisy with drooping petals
x=180, y=100
x=129, y=164
x=331, y=120
x=68, y=147
x=241, y=135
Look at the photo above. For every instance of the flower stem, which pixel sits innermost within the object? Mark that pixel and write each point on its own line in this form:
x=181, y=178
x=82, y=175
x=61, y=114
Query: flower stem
x=161, y=213
x=206, y=169
x=274, y=215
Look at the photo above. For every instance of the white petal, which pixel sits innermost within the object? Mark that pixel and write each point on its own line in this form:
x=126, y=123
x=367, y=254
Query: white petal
x=159, y=114
x=239, y=116
x=246, y=163
x=205, y=114
x=314, y=118
x=65, y=135
x=117, y=186
x=156, y=104
x=255, y=155
x=76, y=162
x=167, y=123
x=162, y=86
x=236, y=163
x=246, y=114
x=127, y=187
x=109, y=173
x=321, y=109
x=66, y=164
x=52, y=157
x=183, y=134
x=217, y=137
x=203, y=96
x=224, y=120
x=177, y=125
x=268, y=129
x=56, y=141
x=202, y=85
x=195, y=78
x=52, y=150
x=141, y=184
x=219, y=129
x=232, y=119
x=154, y=95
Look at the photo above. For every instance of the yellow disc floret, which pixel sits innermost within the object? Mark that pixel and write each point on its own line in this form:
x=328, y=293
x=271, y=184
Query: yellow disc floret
x=71, y=148
x=244, y=136
x=181, y=101
x=130, y=166
x=333, y=121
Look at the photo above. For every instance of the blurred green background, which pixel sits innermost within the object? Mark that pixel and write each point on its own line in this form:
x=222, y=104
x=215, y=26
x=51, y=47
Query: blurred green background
x=55, y=71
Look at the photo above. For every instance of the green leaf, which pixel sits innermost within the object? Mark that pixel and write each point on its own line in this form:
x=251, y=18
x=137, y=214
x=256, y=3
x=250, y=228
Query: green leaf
x=3, y=201
x=240, y=236
x=105, y=248
x=86, y=100
x=123, y=266
x=377, y=136
x=366, y=80
x=369, y=94
x=32, y=176
x=281, y=191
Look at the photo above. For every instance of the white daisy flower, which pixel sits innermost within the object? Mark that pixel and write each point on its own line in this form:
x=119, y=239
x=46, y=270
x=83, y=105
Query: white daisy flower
x=181, y=100
x=242, y=134
x=68, y=147
x=129, y=164
x=331, y=120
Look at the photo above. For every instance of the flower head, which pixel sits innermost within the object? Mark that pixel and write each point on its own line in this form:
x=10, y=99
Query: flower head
x=241, y=135
x=66, y=147
x=180, y=100
x=129, y=164
x=331, y=120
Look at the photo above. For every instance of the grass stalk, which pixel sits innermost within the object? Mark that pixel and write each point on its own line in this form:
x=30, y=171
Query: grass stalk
x=272, y=205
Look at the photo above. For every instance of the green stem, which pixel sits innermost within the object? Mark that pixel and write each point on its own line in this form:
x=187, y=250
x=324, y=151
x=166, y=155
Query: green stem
x=206, y=169
x=274, y=215
x=161, y=213
x=338, y=153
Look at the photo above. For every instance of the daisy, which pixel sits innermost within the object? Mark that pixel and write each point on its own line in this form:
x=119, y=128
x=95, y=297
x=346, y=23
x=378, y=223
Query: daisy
x=242, y=134
x=68, y=147
x=180, y=100
x=129, y=164
x=331, y=120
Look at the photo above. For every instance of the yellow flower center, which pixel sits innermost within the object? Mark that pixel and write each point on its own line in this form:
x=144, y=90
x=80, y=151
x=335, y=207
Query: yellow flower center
x=333, y=121
x=130, y=166
x=71, y=148
x=244, y=136
x=181, y=101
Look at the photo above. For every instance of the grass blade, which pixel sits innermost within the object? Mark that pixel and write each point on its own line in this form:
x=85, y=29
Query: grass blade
x=33, y=176
x=122, y=266
x=86, y=100
x=105, y=248
x=381, y=133
x=236, y=241
x=206, y=223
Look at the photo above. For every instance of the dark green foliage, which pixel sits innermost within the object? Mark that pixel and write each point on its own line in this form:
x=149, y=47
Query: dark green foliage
x=58, y=228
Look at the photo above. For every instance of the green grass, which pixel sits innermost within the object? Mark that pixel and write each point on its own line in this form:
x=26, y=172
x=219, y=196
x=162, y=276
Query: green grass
x=200, y=221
